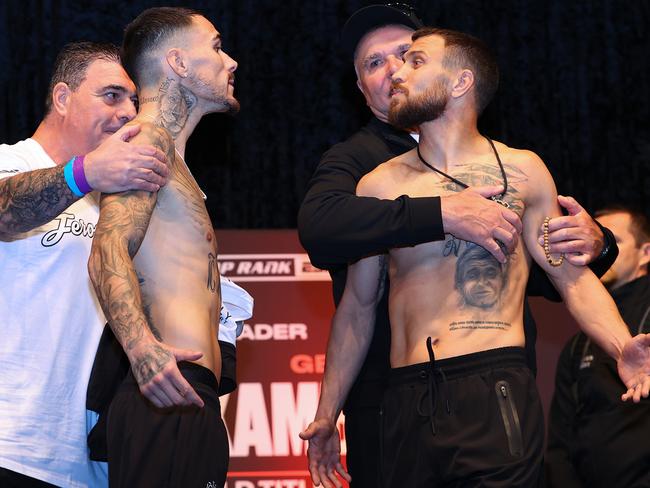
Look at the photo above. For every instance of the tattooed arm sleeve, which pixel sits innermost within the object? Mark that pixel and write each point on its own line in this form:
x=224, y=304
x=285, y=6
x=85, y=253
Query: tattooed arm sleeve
x=122, y=226
x=33, y=198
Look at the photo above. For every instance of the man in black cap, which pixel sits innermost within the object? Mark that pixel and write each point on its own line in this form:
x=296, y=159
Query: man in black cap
x=336, y=227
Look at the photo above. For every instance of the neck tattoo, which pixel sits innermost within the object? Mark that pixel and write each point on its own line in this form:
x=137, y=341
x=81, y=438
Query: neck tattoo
x=499, y=199
x=142, y=101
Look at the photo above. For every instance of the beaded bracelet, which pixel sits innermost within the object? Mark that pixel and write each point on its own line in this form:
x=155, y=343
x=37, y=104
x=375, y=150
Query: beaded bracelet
x=547, y=247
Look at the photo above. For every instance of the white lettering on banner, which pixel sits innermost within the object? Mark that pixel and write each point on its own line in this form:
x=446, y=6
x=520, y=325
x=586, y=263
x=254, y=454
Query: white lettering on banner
x=278, y=332
x=291, y=416
x=270, y=267
x=274, y=267
x=251, y=423
x=291, y=411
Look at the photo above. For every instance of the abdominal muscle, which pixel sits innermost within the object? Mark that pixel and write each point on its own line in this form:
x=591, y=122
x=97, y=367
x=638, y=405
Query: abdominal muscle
x=187, y=321
x=462, y=315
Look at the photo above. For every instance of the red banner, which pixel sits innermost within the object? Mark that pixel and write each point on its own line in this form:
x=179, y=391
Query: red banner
x=280, y=357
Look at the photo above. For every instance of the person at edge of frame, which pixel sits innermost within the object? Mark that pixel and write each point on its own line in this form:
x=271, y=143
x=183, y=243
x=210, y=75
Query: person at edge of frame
x=50, y=321
x=593, y=439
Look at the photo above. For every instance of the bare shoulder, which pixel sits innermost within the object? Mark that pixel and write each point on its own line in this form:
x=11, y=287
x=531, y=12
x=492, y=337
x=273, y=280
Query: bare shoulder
x=382, y=181
x=529, y=167
x=155, y=135
x=524, y=159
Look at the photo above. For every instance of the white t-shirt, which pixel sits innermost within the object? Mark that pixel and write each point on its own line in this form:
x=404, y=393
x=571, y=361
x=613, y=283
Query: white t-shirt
x=50, y=325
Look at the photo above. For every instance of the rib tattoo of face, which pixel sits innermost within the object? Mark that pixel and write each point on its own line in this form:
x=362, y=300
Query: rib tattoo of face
x=480, y=278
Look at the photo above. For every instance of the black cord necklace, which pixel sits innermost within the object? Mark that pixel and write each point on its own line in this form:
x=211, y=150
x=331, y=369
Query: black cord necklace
x=499, y=199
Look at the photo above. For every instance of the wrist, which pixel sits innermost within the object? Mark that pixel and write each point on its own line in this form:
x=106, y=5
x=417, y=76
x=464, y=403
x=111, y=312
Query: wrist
x=605, y=249
x=75, y=177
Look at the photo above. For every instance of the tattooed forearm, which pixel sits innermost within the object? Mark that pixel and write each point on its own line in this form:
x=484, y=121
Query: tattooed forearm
x=479, y=324
x=121, y=228
x=30, y=199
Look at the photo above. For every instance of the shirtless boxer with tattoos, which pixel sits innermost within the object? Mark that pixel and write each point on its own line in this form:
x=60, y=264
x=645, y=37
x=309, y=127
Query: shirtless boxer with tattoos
x=462, y=408
x=154, y=266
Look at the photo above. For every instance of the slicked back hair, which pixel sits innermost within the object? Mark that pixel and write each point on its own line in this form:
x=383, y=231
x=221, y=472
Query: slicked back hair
x=464, y=51
x=146, y=32
x=72, y=63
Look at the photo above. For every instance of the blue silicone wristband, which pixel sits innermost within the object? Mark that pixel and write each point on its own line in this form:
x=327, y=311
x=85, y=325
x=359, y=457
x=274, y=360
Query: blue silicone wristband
x=69, y=179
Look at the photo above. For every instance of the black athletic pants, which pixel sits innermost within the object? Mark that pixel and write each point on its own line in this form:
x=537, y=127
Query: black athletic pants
x=469, y=421
x=167, y=448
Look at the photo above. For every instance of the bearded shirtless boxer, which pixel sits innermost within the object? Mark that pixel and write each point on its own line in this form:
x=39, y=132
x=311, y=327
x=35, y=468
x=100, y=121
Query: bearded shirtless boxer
x=462, y=409
x=154, y=266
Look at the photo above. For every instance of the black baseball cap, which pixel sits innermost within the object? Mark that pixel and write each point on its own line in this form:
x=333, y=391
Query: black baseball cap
x=374, y=16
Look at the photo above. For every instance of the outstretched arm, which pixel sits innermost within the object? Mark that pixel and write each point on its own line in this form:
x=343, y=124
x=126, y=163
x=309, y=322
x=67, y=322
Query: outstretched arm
x=30, y=199
x=584, y=296
x=122, y=226
x=350, y=336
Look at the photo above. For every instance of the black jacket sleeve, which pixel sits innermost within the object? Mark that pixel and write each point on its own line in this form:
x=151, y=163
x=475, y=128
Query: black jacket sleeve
x=337, y=227
x=540, y=285
x=559, y=471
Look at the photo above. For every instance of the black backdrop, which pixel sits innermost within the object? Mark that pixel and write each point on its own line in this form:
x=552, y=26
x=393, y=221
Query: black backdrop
x=575, y=89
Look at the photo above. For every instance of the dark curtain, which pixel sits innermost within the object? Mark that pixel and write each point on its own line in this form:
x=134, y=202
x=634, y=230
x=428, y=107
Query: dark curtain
x=575, y=89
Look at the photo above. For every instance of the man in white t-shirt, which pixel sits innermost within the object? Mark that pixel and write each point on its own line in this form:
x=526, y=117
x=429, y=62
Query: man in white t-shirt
x=50, y=322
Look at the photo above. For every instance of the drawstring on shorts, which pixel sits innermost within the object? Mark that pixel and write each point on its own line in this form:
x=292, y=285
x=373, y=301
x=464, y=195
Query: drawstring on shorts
x=432, y=388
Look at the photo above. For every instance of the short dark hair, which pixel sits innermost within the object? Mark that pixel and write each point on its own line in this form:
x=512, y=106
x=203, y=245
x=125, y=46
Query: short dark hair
x=639, y=222
x=465, y=51
x=72, y=63
x=147, y=31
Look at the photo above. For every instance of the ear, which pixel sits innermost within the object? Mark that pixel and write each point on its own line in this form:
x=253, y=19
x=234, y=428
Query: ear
x=463, y=82
x=61, y=97
x=644, y=252
x=177, y=61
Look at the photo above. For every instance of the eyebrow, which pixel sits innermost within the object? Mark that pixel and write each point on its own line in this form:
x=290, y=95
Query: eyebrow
x=415, y=53
x=378, y=55
x=119, y=88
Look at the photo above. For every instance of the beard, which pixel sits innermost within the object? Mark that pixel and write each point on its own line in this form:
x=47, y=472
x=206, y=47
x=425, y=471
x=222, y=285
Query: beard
x=233, y=106
x=217, y=97
x=421, y=108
